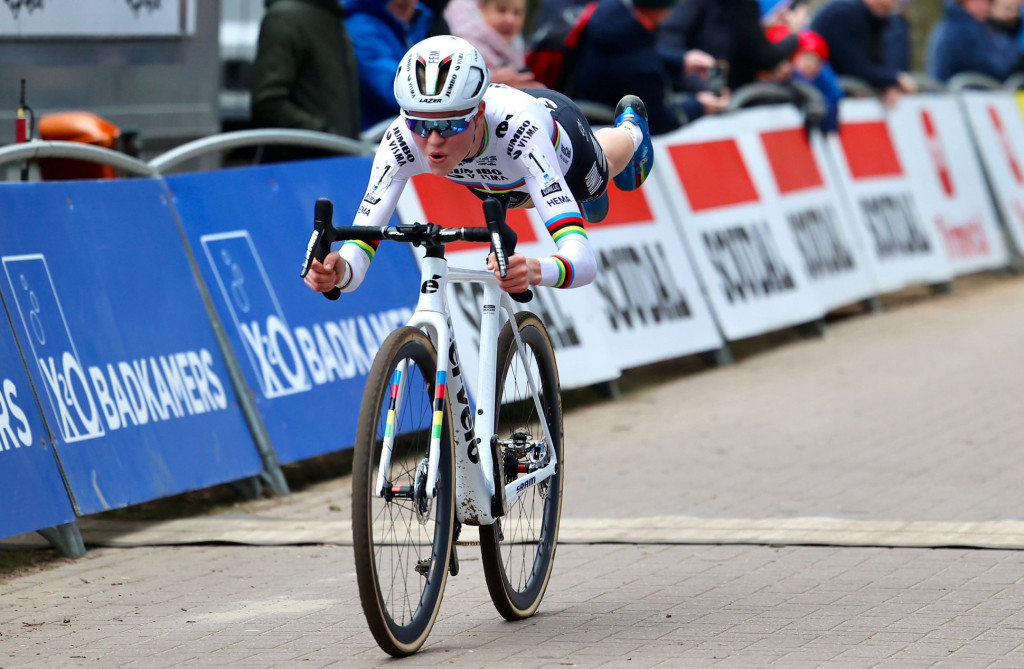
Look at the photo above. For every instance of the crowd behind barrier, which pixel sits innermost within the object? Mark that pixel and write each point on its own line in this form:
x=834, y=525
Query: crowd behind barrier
x=216, y=363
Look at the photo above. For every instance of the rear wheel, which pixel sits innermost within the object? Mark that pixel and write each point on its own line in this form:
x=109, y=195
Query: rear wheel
x=518, y=550
x=402, y=539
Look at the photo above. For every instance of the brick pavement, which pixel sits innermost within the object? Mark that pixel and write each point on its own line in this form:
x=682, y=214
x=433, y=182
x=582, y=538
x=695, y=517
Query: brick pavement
x=906, y=415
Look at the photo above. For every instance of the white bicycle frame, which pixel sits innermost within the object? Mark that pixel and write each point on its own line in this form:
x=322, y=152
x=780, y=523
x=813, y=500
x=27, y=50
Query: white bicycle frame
x=472, y=432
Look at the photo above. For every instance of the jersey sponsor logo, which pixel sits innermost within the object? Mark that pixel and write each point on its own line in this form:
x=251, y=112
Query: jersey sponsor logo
x=399, y=147
x=370, y=199
x=566, y=152
x=520, y=138
x=364, y=211
x=502, y=128
x=491, y=173
x=558, y=199
x=487, y=161
x=553, y=188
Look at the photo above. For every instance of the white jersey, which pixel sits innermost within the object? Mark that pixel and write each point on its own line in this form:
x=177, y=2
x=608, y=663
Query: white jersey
x=524, y=157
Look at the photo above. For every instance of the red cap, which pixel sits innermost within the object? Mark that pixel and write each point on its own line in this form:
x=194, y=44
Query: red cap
x=811, y=41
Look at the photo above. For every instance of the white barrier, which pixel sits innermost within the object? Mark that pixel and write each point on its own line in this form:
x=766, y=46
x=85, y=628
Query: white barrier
x=791, y=170
x=995, y=120
x=903, y=248
x=934, y=144
x=651, y=302
x=751, y=269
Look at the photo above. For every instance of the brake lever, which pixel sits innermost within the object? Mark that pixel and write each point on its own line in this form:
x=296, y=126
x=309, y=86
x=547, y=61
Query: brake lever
x=503, y=242
x=320, y=241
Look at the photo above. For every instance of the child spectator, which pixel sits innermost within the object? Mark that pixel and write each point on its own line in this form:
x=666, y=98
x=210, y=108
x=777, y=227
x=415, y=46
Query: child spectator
x=810, y=65
x=495, y=28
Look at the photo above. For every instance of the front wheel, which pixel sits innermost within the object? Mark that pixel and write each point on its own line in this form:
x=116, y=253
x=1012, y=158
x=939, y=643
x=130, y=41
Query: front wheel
x=518, y=550
x=401, y=535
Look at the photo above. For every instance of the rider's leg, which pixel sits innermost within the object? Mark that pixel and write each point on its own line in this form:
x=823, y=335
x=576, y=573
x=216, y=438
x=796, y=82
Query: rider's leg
x=618, y=147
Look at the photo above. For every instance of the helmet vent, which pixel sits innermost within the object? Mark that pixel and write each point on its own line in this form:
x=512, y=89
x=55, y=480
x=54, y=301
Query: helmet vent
x=430, y=77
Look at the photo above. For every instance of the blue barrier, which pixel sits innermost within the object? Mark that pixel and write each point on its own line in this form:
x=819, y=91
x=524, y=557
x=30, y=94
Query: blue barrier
x=304, y=358
x=32, y=492
x=120, y=348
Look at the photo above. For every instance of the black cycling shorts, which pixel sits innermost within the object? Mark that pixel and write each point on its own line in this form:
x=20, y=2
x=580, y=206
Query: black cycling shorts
x=587, y=176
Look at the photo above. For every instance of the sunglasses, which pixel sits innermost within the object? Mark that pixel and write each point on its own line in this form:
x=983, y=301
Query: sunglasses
x=446, y=127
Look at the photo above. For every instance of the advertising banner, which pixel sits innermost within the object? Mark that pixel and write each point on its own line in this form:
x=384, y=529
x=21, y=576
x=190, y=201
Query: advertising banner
x=572, y=316
x=791, y=171
x=305, y=358
x=32, y=491
x=935, y=147
x=119, y=345
x=752, y=271
x=650, y=298
x=97, y=18
x=904, y=248
x=995, y=119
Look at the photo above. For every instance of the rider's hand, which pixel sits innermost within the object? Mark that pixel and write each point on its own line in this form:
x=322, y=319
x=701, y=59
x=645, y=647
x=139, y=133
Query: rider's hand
x=326, y=275
x=522, y=273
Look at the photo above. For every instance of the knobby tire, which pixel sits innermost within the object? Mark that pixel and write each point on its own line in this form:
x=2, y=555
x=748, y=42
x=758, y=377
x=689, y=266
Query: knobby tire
x=402, y=551
x=518, y=550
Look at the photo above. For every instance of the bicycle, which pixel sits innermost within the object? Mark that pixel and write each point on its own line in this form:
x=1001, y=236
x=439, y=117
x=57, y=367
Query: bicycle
x=420, y=469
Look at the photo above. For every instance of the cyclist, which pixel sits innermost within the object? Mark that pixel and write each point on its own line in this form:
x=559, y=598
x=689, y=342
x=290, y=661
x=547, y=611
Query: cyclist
x=529, y=148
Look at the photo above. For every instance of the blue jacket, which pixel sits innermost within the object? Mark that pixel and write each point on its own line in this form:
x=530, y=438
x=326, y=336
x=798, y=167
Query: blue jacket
x=856, y=41
x=380, y=41
x=961, y=43
x=617, y=56
x=828, y=84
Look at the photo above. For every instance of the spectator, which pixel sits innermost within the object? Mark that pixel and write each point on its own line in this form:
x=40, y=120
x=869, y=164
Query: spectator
x=810, y=65
x=618, y=55
x=731, y=31
x=305, y=74
x=382, y=32
x=855, y=32
x=495, y=28
x=963, y=41
x=1006, y=18
x=897, y=37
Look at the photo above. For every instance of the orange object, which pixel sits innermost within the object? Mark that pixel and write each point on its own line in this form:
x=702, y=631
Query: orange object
x=84, y=127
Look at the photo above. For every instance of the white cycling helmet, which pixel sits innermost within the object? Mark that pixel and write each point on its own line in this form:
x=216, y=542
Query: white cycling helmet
x=441, y=74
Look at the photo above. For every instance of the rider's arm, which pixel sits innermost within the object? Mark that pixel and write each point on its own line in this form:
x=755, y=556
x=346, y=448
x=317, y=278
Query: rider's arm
x=574, y=263
x=387, y=180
